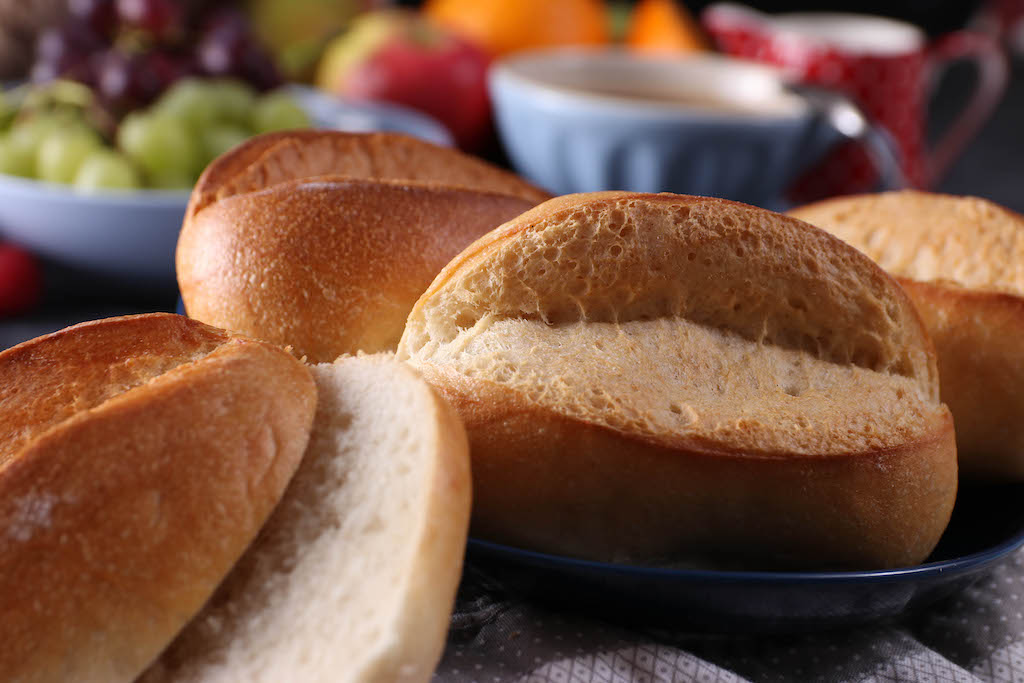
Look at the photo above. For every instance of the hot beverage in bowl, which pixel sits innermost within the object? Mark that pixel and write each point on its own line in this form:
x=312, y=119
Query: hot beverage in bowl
x=588, y=120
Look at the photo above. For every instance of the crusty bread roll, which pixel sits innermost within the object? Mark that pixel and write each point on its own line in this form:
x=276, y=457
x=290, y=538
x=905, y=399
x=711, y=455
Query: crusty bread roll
x=961, y=260
x=662, y=378
x=274, y=158
x=328, y=265
x=139, y=458
x=354, y=576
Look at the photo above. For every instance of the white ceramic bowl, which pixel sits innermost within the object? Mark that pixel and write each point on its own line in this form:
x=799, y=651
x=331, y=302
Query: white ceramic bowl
x=132, y=235
x=582, y=120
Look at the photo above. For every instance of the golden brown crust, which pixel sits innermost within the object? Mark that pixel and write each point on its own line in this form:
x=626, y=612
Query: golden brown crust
x=273, y=158
x=981, y=368
x=928, y=236
x=556, y=484
x=118, y=520
x=328, y=265
x=649, y=377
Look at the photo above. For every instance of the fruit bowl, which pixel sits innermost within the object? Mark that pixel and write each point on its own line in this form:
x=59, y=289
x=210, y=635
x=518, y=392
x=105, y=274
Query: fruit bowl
x=131, y=234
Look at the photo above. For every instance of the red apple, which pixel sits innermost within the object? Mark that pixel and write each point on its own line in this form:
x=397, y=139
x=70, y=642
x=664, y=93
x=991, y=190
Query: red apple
x=399, y=56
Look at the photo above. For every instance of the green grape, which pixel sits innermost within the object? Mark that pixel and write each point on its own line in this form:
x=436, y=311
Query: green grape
x=235, y=101
x=25, y=138
x=106, y=170
x=161, y=145
x=278, y=111
x=15, y=159
x=221, y=137
x=192, y=101
x=62, y=153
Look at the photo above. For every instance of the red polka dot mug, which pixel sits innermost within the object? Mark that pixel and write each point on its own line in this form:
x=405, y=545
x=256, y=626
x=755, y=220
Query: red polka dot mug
x=887, y=67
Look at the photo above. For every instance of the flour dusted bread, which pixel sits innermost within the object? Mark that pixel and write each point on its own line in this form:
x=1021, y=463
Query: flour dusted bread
x=354, y=576
x=961, y=260
x=324, y=240
x=139, y=457
x=661, y=377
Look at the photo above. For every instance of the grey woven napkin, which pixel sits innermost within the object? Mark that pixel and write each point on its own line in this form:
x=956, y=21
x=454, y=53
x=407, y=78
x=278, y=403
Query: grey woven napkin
x=496, y=635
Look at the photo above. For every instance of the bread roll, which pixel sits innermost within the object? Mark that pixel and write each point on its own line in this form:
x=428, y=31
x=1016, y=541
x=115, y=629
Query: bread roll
x=354, y=576
x=961, y=260
x=652, y=378
x=328, y=265
x=139, y=458
x=274, y=158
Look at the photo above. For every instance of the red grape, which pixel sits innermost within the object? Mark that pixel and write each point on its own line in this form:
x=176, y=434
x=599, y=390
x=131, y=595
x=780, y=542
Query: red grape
x=228, y=47
x=100, y=15
x=64, y=52
x=163, y=20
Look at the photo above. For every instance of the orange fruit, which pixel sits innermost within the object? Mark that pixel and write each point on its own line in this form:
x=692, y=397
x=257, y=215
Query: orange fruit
x=663, y=26
x=503, y=26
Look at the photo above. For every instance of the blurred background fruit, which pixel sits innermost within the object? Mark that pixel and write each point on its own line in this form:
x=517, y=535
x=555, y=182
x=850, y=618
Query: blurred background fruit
x=20, y=23
x=56, y=132
x=501, y=26
x=400, y=56
x=20, y=280
x=297, y=30
x=663, y=26
x=131, y=51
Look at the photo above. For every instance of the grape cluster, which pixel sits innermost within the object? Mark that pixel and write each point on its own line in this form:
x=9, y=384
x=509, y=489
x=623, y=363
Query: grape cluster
x=131, y=51
x=48, y=133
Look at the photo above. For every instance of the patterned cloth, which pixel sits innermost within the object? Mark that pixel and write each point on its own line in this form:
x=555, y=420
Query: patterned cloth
x=976, y=635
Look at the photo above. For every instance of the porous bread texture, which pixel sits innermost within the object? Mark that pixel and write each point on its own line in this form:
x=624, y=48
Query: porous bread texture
x=327, y=265
x=927, y=237
x=684, y=318
x=353, y=578
x=961, y=260
x=656, y=377
x=125, y=505
x=270, y=159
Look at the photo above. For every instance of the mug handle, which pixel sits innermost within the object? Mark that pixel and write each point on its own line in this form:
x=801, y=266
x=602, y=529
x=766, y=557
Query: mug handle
x=845, y=118
x=992, y=75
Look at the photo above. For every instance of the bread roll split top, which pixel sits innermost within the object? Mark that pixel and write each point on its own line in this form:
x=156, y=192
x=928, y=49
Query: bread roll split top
x=961, y=260
x=140, y=457
x=670, y=335
x=965, y=241
x=273, y=158
x=640, y=280
x=323, y=240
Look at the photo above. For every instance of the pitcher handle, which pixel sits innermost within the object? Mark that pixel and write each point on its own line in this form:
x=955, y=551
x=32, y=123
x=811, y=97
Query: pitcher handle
x=990, y=63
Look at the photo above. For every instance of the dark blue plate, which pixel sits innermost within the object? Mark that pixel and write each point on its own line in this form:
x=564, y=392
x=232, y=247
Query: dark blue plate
x=987, y=525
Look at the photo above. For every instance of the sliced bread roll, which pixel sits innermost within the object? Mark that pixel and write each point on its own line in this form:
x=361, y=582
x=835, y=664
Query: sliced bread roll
x=657, y=378
x=961, y=260
x=139, y=457
x=354, y=576
x=327, y=265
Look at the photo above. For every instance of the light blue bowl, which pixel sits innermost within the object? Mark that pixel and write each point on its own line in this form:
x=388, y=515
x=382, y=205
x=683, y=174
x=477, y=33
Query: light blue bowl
x=132, y=235
x=582, y=120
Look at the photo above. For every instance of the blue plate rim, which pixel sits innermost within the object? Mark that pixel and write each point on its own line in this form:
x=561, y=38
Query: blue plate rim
x=947, y=568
